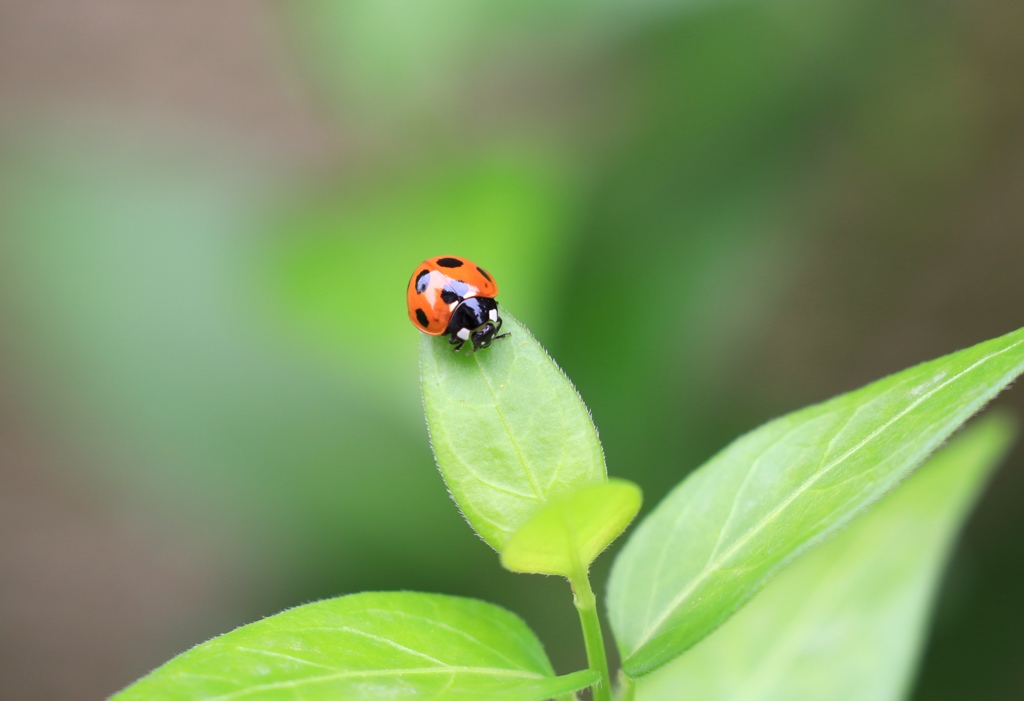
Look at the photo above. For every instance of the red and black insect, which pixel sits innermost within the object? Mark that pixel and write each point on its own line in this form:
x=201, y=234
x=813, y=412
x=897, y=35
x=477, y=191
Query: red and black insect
x=455, y=296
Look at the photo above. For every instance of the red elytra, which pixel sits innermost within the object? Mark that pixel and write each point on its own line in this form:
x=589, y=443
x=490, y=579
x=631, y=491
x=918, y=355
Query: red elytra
x=437, y=287
x=454, y=295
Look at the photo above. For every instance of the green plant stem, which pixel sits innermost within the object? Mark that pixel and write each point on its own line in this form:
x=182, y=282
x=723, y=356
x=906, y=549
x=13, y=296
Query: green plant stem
x=586, y=605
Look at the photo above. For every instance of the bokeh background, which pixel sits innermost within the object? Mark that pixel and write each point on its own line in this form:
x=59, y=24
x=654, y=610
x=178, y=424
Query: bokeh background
x=710, y=211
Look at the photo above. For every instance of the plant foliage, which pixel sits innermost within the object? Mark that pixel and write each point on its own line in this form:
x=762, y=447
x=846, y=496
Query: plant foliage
x=508, y=430
x=521, y=457
x=721, y=534
x=380, y=645
x=846, y=621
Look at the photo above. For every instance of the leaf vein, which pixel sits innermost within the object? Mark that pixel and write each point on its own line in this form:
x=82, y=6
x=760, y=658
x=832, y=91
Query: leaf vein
x=762, y=523
x=378, y=638
x=370, y=673
x=271, y=653
x=508, y=430
x=452, y=629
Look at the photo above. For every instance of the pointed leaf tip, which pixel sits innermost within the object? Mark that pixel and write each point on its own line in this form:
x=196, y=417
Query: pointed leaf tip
x=847, y=620
x=732, y=524
x=508, y=430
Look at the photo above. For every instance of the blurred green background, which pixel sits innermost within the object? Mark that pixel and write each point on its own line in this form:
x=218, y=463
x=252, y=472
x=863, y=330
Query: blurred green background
x=710, y=212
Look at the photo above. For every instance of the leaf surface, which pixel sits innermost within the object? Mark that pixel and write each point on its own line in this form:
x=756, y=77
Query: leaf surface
x=726, y=529
x=568, y=534
x=379, y=645
x=846, y=621
x=508, y=429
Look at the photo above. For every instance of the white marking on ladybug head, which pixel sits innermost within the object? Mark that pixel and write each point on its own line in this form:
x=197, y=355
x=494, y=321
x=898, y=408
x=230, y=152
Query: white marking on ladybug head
x=451, y=307
x=463, y=334
x=493, y=315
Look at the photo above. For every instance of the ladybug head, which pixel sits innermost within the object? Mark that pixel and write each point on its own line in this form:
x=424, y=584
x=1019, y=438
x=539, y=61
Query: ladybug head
x=484, y=336
x=475, y=320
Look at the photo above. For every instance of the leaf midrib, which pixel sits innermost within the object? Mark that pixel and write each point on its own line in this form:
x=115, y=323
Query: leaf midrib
x=370, y=673
x=807, y=484
x=508, y=430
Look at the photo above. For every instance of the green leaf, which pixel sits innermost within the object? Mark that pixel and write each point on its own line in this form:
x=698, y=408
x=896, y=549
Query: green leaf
x=508, y=429
x=846, y=621
x=569, y=533
x=393, y=645
x=720, y=535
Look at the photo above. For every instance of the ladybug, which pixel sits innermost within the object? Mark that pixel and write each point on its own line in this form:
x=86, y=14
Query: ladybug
x=455, y=296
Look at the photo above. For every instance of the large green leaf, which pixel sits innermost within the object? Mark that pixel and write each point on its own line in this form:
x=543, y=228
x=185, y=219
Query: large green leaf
x=508, y=429
x=393, y=645
x=719, y=536
x=845, y=622
x=568, y=534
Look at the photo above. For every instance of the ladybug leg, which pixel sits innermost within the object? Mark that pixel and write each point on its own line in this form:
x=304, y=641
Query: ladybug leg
x=457, y=342
x=458, y=338
x=504, y=335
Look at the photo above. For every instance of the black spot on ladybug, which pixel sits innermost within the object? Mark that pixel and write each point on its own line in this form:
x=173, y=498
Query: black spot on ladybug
x=421, y=281
x=448, y=295
x=449, y=262
x=484, y=273
x=421, y=317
